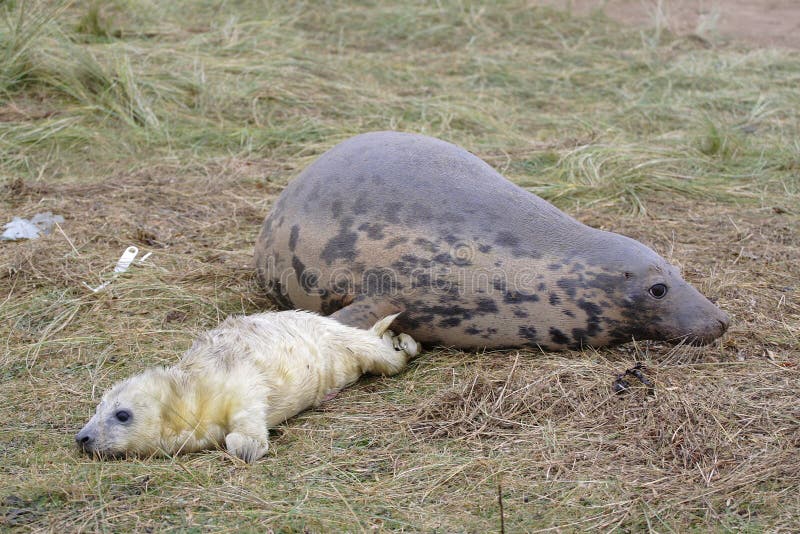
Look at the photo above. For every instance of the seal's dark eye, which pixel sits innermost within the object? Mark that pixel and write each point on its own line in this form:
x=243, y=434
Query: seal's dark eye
x=123, y=416
x=658, y=291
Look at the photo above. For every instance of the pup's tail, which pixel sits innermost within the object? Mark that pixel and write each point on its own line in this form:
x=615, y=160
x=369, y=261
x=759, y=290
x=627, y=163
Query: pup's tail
x=383, y=325
x=399, y=342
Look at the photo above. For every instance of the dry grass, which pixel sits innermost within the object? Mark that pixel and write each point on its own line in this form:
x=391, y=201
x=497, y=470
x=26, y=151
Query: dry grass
x=174, y=127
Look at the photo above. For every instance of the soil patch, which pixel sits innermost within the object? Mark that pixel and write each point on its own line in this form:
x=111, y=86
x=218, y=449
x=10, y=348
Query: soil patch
x=768, y=23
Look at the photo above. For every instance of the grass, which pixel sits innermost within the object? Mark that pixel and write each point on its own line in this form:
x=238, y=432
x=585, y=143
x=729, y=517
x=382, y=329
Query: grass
x=174, y=126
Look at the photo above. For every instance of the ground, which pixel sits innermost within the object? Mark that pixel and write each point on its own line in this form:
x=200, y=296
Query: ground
x=759, y=23
x=175, y=127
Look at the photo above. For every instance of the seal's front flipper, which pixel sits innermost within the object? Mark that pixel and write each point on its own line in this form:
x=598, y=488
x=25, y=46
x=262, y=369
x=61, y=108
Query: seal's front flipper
x=402, y=342
x=407, y=344
x=248, y=438
x=245, y=448
x=364, y=313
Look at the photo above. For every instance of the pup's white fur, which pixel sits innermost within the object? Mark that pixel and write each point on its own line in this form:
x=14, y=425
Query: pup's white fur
x=249, y=374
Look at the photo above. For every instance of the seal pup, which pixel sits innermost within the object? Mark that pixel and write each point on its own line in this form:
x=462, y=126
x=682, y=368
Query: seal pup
x=390, y=221
x=236, y=381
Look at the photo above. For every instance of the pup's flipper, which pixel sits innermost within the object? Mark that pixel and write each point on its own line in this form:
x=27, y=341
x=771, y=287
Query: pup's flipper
x=247, y=449
x=407, y=344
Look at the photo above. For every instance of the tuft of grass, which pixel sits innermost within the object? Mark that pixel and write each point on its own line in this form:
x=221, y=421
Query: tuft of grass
x=22, y=27
x=94, y=23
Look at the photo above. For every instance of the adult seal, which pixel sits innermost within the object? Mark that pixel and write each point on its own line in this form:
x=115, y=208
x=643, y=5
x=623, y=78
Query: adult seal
x=389, y=221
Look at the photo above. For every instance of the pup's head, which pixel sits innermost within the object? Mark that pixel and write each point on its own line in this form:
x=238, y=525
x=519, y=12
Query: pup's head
x=130, y=417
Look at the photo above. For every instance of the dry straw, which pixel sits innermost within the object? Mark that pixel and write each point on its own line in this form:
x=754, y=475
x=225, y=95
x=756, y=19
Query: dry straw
x=174, y=126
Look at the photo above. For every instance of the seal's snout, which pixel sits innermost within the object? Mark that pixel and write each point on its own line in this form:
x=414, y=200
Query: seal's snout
x=724, y=321
x=715, y=327
x=693, y=319
x=721, y=324
x=85, y=440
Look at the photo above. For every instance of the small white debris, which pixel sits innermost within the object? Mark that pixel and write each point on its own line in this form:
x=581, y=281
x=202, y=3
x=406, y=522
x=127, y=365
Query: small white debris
x=123, y=264
x=41, y=223
x=126, y=259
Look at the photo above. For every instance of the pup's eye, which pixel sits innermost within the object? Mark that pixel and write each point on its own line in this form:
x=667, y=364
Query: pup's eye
x=123, y=416
x=658, y=291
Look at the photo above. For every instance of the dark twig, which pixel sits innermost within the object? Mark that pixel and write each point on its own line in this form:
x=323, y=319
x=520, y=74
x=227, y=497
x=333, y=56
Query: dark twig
x=500, y=503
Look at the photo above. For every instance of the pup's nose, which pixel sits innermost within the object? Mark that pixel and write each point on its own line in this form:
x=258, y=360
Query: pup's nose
x=84, y=440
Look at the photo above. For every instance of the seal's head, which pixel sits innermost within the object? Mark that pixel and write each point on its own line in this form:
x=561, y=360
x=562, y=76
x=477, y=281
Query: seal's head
x=653, y=300
x=129, y=418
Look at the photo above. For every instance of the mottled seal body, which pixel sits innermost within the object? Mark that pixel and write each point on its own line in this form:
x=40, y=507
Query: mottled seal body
x=389, y=221
x=251, y=373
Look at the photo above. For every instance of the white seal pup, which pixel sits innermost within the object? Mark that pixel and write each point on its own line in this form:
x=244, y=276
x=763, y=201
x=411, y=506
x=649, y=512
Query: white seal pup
x=236, y=381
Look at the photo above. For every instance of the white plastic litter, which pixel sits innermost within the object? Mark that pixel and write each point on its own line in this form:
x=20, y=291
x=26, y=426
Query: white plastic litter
x=20, y=229
x=41, y=223
x=122, y=265
x=126, y=259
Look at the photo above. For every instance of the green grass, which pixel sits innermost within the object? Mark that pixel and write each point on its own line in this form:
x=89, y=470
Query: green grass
x=174, y=125
x=183, y=81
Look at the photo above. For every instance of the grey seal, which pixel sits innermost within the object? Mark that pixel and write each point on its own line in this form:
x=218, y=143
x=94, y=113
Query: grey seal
x=388, y=221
